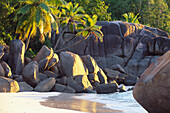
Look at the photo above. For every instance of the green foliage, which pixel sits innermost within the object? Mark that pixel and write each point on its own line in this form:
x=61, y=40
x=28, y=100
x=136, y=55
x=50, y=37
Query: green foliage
x=130, y=17
x=90, y=28
x=6, y=24
x=157, y=14
x=70, y=14
x=35, y=43
x=30, y=53
x=118, y=7
x=35, y=14
x=95, y=7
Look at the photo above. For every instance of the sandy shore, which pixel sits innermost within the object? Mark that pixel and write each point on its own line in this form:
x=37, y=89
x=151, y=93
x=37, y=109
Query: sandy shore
x=28, y=102
x=34, y=102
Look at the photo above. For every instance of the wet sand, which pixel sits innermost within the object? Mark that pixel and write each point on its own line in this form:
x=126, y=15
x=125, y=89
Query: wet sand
x=67, y=101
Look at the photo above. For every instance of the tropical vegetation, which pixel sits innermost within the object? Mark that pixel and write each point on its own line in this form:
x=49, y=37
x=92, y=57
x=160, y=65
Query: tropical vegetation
x=33, y=20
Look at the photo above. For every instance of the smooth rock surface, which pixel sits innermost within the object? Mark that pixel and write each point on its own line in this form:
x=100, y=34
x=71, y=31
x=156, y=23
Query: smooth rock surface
x=72, y=65
x=73, y=84
x=2, y=72
x=24, y=86
x=152, y=90
x=8, y=85
x=90, y=63
x=45, y=85
x=43, y=57
x=16, y=56
x=30, y=74
x=107, y=88
x=7, y=69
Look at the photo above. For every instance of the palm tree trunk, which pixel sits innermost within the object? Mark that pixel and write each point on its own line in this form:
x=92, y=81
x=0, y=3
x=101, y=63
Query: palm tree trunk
x=72, y=45
x=28, y=41
x=60, y=37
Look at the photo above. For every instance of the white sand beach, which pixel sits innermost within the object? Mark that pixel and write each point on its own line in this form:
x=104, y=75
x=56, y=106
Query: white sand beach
x=28, y=102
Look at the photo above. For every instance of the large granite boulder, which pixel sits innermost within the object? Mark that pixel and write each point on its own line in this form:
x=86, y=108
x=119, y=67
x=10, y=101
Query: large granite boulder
x=30, y=74
x=72, y=65
x=7, y=69
x=45, y=85
x=90, y=63
x=107, y=88
x=93, y=78
x=43, y=57
x=153, y=88
x=51, y=74
x=8, y=85
x=63, y=88
x=24, y=86
x=102, y=77
x=4, y=53
x=73, y=84
x=16, y=56
x=54, y=60
x=2, y=72
x=83, y=81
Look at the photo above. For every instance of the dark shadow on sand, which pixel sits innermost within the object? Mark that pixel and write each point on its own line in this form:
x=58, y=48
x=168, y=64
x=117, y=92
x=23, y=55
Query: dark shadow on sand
x=67, y=101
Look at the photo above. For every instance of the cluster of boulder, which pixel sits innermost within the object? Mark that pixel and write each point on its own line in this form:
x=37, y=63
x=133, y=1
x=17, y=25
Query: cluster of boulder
x=67, y=72
x=132, y=46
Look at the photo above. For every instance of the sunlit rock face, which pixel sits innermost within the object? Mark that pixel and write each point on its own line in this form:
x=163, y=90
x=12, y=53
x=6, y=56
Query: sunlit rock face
x=8, y=85
x=152, y=90
x=43, y=57
x=72, y=64
x=7, y=69
x=4, y=53
x=97, y=74
x=133, y=46
x=76, y=71
x=16, y=56
x=30, y=74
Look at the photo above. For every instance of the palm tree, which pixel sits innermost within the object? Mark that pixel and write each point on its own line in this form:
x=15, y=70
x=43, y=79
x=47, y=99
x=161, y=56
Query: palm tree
x=86, y=29
x=131, y=17
x=37, y=15
x=70, y=15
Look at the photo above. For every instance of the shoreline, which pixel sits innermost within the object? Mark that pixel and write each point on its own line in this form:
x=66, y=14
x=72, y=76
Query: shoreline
x=56, y=102
x=68, y=101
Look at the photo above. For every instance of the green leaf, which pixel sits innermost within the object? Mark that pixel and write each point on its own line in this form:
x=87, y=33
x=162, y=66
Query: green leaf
x=71, y=27
x=65, y=21
x=94, y=18
x=44, y=6
x=26, y=1
x=80, y=26
x=79, y=32
x=24, y=9
x=55, y=27
x=85, y=33
x=78, y=10
x=38, y=17
x=64, y=2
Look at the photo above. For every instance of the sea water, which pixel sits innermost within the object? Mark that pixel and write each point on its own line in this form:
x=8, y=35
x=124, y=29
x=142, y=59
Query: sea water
x=118, y=101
